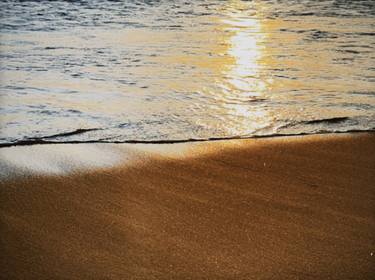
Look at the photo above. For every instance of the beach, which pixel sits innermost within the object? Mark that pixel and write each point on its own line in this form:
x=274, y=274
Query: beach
x=298, y=207
x=187, y=140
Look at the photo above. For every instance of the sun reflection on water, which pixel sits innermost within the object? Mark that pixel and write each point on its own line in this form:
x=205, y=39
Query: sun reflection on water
x=244, y=79
x=247, y=52
x=186, y=70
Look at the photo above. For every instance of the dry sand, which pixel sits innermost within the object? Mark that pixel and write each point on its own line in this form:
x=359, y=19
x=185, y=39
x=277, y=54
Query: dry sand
x=282, y=208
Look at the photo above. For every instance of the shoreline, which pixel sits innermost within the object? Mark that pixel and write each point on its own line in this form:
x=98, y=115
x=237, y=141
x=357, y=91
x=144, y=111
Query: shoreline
x=295, y=207
x=42, y=141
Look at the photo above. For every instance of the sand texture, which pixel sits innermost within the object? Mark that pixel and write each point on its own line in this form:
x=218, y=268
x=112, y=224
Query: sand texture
x=281, y=208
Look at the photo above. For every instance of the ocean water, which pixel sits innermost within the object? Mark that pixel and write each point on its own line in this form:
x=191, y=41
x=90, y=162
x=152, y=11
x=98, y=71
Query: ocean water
x=123, y=71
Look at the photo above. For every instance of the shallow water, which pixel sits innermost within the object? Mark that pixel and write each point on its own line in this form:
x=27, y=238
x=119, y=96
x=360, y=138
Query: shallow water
x=176, y=70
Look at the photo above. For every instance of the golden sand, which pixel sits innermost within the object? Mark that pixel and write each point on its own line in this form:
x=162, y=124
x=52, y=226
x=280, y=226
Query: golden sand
x=281, y=208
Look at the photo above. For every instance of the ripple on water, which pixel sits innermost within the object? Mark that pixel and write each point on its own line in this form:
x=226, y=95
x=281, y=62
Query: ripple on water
x=162, y=70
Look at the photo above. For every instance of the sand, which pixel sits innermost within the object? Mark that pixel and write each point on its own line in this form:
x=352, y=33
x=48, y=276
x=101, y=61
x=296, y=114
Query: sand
x=280, y=208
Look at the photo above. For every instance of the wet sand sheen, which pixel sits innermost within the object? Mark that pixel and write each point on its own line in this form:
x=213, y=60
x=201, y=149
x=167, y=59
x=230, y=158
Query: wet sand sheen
x=284, y=208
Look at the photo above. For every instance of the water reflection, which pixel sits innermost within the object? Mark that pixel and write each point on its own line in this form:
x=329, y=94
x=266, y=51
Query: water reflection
x=244, y=78
x=187, y=69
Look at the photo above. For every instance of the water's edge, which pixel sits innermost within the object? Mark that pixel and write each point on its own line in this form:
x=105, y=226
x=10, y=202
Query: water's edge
x=43, y=141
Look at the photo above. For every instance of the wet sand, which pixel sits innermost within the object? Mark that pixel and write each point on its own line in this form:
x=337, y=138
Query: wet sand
x=280, y=208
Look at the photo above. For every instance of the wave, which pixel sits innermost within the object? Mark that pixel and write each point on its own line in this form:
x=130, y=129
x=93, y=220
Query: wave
x=326, y=121
x=44, y=140
x=70, y=133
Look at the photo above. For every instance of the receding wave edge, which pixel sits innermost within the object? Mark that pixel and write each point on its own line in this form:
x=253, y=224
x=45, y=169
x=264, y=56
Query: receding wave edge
x=44, y=140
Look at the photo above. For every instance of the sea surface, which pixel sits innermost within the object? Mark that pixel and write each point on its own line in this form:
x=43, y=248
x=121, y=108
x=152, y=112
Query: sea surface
x=128, y=71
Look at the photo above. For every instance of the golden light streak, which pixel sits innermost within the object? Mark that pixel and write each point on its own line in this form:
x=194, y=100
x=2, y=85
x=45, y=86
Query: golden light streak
x=244, y=79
